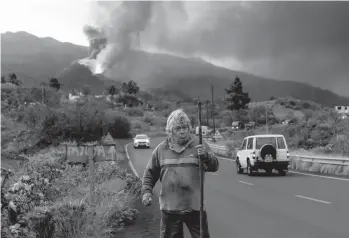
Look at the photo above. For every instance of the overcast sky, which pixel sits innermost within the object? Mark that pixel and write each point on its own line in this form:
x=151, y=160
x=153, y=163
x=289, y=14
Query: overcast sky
x=300, y=41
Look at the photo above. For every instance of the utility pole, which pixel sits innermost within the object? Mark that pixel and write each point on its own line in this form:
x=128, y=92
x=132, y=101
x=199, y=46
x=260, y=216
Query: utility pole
x=266, y=118
x=213, y=106
x=207, y=112
x=266, y=115
x=42, y=92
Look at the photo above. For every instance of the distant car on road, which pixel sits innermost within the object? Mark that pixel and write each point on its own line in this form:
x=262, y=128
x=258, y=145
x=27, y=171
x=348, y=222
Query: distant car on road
x=266, y=152
x=237, y=125
x=204, y=130
x=141, y=140
x=289, y=122
x=250, y=125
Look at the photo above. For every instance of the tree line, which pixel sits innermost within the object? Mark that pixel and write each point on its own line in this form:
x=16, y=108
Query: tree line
x=130, y=87
x=235, y=99
x=13, y=79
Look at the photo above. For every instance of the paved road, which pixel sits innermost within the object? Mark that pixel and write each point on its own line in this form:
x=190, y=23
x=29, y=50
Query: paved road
x=294, y=206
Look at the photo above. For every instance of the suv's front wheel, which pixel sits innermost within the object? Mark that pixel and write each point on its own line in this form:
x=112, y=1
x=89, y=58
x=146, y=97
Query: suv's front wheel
x=239, y=170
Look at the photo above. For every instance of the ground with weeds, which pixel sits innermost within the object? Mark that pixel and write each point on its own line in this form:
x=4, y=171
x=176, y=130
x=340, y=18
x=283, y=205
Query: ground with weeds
x=46, y=189
x=147, y=222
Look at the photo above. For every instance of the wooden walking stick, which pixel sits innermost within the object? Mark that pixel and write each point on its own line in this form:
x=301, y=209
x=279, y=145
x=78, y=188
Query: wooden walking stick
x=201, y=177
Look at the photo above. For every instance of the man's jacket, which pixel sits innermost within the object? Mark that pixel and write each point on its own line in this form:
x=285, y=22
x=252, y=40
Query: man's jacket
x=179, y=176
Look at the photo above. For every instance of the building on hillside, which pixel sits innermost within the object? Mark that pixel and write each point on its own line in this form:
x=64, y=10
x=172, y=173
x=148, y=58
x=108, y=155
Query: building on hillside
x=73, y=97
x=342, y=109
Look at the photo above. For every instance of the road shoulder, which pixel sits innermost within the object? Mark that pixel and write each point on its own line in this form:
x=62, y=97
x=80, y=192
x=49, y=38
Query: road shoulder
x=148, y=219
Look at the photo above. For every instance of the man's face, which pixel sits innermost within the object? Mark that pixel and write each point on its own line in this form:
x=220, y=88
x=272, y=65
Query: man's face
x=180, y=133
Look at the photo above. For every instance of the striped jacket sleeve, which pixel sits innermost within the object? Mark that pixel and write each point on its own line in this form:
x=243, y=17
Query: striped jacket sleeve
x=151, y=173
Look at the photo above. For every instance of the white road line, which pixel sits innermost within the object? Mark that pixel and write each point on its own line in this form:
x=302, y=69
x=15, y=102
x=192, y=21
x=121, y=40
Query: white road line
x=213, y=173
x=312, y=199
x=246, y=183
x=320, y=176
x=129, y=161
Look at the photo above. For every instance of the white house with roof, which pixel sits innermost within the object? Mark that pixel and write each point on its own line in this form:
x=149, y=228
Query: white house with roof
x=74, y=97
x=342, y=109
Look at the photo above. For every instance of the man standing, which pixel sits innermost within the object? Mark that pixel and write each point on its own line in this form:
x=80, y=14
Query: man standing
x=175, y=162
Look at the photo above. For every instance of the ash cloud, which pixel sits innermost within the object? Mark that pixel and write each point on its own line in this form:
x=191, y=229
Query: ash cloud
x=97, y=40
x=111, y=39
x=298, y=41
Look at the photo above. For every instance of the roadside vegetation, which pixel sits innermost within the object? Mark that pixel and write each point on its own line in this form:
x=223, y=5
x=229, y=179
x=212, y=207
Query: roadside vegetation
x=318, y=129
x=43, y=195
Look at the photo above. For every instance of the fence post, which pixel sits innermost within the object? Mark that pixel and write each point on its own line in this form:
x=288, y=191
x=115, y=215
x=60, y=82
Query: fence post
x=66, y=152
x=91, y=167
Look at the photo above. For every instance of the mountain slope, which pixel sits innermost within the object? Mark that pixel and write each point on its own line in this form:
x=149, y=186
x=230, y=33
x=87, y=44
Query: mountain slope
x=36, y=59
x=194, y=78
x=77, y=76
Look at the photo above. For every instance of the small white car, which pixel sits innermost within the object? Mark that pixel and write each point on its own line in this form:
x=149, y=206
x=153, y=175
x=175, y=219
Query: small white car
x=141, y=140
x=265, y=152
x=204, y=130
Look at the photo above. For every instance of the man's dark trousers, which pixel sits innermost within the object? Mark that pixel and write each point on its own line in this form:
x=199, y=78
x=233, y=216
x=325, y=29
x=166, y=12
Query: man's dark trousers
x=171, y=225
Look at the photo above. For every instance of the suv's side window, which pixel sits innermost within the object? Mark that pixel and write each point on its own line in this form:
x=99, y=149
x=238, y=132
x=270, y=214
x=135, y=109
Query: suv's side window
x=243, y=146
x=281, y=143
x=250, y=144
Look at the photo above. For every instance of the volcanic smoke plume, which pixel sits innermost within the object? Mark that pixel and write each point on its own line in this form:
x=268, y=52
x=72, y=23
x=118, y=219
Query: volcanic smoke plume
x=111, y=39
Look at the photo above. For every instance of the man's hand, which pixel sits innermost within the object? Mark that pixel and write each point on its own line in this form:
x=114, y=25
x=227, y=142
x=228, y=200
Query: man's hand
x=146, y=200
x=202, y=152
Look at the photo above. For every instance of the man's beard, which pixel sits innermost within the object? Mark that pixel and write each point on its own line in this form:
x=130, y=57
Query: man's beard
x=181, y=139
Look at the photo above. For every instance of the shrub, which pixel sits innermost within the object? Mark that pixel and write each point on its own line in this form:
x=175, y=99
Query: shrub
x=134, y=112
x=231, y=145
x=227, y=118
x=137, y=125
x=40, y=222
x=52, y=97
x=34, y=115
x=82, y=122
x=129, y=100
x=120, y=127
x=70, y=218
x=9, y=100
x=51, y=198
x=53, y=128
x=148, y=120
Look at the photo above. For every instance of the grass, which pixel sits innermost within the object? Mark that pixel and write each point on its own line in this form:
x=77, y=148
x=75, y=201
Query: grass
x=66, y=197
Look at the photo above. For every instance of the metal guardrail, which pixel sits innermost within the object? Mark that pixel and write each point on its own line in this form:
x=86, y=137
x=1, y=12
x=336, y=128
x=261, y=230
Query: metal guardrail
x=304, y=158
x=322, y=159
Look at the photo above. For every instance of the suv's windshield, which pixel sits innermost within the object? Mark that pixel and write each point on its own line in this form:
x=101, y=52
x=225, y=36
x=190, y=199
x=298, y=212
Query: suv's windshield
x=265, y=140
x=235, y=123
x=141, y=137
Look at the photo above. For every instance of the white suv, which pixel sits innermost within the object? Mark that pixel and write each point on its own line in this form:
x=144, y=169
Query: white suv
x=266, y=152
x=141, y=140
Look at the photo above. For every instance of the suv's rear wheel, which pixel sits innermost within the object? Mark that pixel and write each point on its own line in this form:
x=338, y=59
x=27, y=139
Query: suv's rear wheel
x=239, y=170
x=249, y=169
x=282, y=172
x=269, y=171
